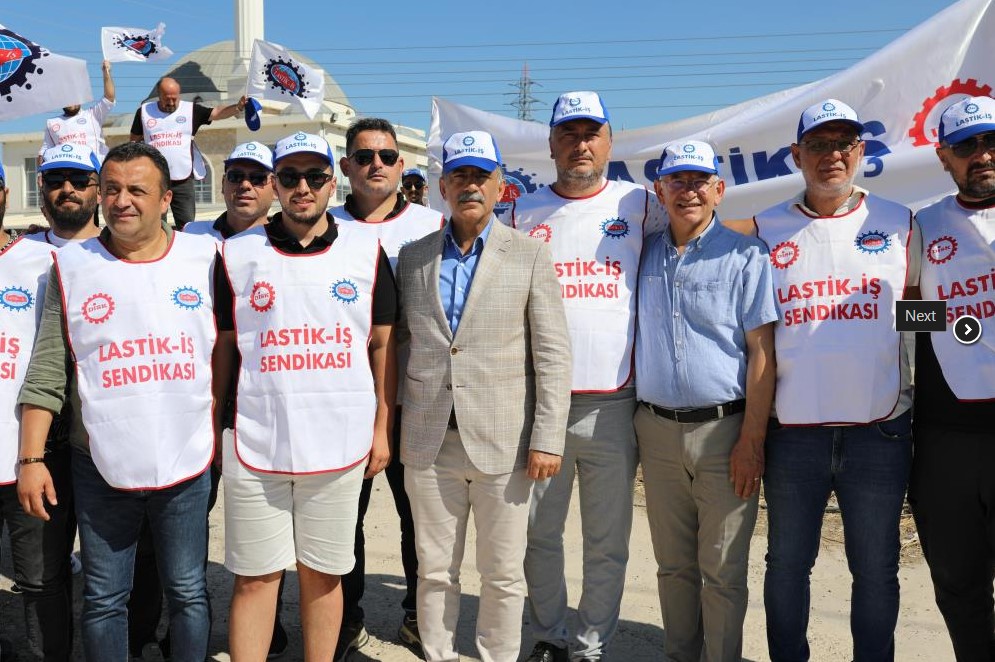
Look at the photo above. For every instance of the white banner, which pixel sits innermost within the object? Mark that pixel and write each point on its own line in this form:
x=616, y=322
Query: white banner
x=134, y=44
x=275, y=74
x=899, y=93
x=36, y=80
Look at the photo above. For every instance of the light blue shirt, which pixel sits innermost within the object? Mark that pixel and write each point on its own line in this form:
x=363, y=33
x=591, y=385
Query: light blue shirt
x=456, y=272
x=694, y=311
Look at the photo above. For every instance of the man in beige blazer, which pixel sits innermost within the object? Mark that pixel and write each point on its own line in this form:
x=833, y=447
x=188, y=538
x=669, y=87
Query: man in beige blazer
x=486, y=397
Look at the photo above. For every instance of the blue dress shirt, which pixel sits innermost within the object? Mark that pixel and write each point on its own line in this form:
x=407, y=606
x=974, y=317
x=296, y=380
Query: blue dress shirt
x=694, y=311
x=456, y=272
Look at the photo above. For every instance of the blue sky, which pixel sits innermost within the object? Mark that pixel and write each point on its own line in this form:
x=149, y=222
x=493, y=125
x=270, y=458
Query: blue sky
x=652, y=61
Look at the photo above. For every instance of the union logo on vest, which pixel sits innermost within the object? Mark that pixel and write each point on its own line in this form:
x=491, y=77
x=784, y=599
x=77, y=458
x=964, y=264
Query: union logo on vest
x=262, y=297
x=784, y=255
x=15, y=298
x=188, y=298
x=98, y=308
x=345, y=291
x=616, y=228
x=941, y=249
x=872, y=242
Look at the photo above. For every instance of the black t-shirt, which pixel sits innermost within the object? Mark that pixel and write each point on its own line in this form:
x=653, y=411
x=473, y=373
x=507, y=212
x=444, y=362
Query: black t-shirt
x=201, y=116
x=384, y=290
x=399, y=206
x=935, y=403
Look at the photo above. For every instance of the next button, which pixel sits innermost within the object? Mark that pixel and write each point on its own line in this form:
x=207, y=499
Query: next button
x=921, y=315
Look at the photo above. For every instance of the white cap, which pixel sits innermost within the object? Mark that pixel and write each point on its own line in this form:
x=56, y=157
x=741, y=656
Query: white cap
x=470, y=148
x=968, y=117
x=69, y=155
x=252, y=151
x=688, y=155
x=303, y=143
x=830, y=110
x=579, y=105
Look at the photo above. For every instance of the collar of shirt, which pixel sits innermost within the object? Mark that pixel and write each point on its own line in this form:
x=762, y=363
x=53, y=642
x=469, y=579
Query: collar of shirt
x=449, y=241
x=283, y=240
x=222, y=226
x=350, y=206
x=856, y=195
x=698, y=242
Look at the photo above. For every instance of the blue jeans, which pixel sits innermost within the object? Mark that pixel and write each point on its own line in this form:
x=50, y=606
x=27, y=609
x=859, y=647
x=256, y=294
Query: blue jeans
x=868, y=468
x=109, y=524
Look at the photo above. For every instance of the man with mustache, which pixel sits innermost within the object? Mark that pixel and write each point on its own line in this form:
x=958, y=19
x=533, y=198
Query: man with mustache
x=373, y=165
x=841, y=257
x=169, y=124
x=82, y=126
x=485, y=399
x=314, y=308
x=952, y=488
x=594, y=228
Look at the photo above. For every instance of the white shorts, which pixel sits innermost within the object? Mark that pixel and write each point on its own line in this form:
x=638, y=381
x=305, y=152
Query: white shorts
x=275, y=520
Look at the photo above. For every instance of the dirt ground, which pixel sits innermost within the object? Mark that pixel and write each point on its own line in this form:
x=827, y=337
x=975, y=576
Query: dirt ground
x=920, y=635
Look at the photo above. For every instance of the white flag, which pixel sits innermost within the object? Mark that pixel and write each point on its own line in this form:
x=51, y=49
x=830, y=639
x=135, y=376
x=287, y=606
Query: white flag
x=275, y=74
x=898, y=92
x=36, y=80
x=134, y=44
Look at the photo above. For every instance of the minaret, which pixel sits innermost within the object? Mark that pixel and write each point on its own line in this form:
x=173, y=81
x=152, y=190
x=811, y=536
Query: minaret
x=248, y=28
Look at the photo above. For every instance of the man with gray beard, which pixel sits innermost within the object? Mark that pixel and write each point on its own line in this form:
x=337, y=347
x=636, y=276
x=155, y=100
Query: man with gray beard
x=594, y=228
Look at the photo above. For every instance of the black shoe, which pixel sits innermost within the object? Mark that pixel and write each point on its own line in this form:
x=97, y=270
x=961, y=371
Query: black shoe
x=352, y=637
x=547, y=652
x=278, y=644
x=408, y=634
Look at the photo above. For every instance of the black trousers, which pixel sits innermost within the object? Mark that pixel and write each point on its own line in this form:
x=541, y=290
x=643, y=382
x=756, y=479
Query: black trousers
x=40, y=552
x=952, y=494
x=184, y=204
x=354, y=583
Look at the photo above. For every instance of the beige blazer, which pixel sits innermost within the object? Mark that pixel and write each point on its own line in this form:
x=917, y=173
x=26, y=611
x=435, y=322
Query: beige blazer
x=506, y=371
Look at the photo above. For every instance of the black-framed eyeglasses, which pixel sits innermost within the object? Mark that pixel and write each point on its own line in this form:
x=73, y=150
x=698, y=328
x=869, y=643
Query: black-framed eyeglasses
x=364, y=157
x=828, y=146
x=80, y=179
x=416, y=185
x=969, y=147
x=315, y=178
x=257, y=179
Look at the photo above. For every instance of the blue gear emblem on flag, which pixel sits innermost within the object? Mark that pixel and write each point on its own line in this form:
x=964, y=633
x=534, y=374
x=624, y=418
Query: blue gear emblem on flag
x=17, y=59
x=286, y=77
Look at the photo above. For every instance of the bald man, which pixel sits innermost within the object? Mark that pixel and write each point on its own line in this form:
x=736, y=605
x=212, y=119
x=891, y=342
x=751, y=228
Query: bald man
x=169, y=124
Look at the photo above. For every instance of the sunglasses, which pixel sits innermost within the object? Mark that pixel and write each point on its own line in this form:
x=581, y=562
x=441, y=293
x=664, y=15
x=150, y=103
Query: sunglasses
x=315, y=178
x=364, y=157
x=79, y=179
x=257, y=179
x=681, y=185
x=969, y=147
x=827, y=146
x=417, y=185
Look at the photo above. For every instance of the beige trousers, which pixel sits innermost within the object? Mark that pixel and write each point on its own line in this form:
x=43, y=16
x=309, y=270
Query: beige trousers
x=701, y=534
x=442, y=498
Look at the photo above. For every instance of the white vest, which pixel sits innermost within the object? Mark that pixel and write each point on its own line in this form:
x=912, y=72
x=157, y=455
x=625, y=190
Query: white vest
x=81, y=129
x=23, y=275
x=596, y=243
x=836, y=280
x=142, y=334
x=959, y=266
x=172, y=134
x=413, y=223
x=305, y=401
x=205, y=228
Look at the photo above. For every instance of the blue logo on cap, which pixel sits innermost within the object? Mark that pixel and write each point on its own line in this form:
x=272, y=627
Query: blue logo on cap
x=574, y=101
x=688, y=149
x=250, y=147
x=828, y=106
x=468, y=140
x=971, y=108
x=67, y=148
x=300, y=136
